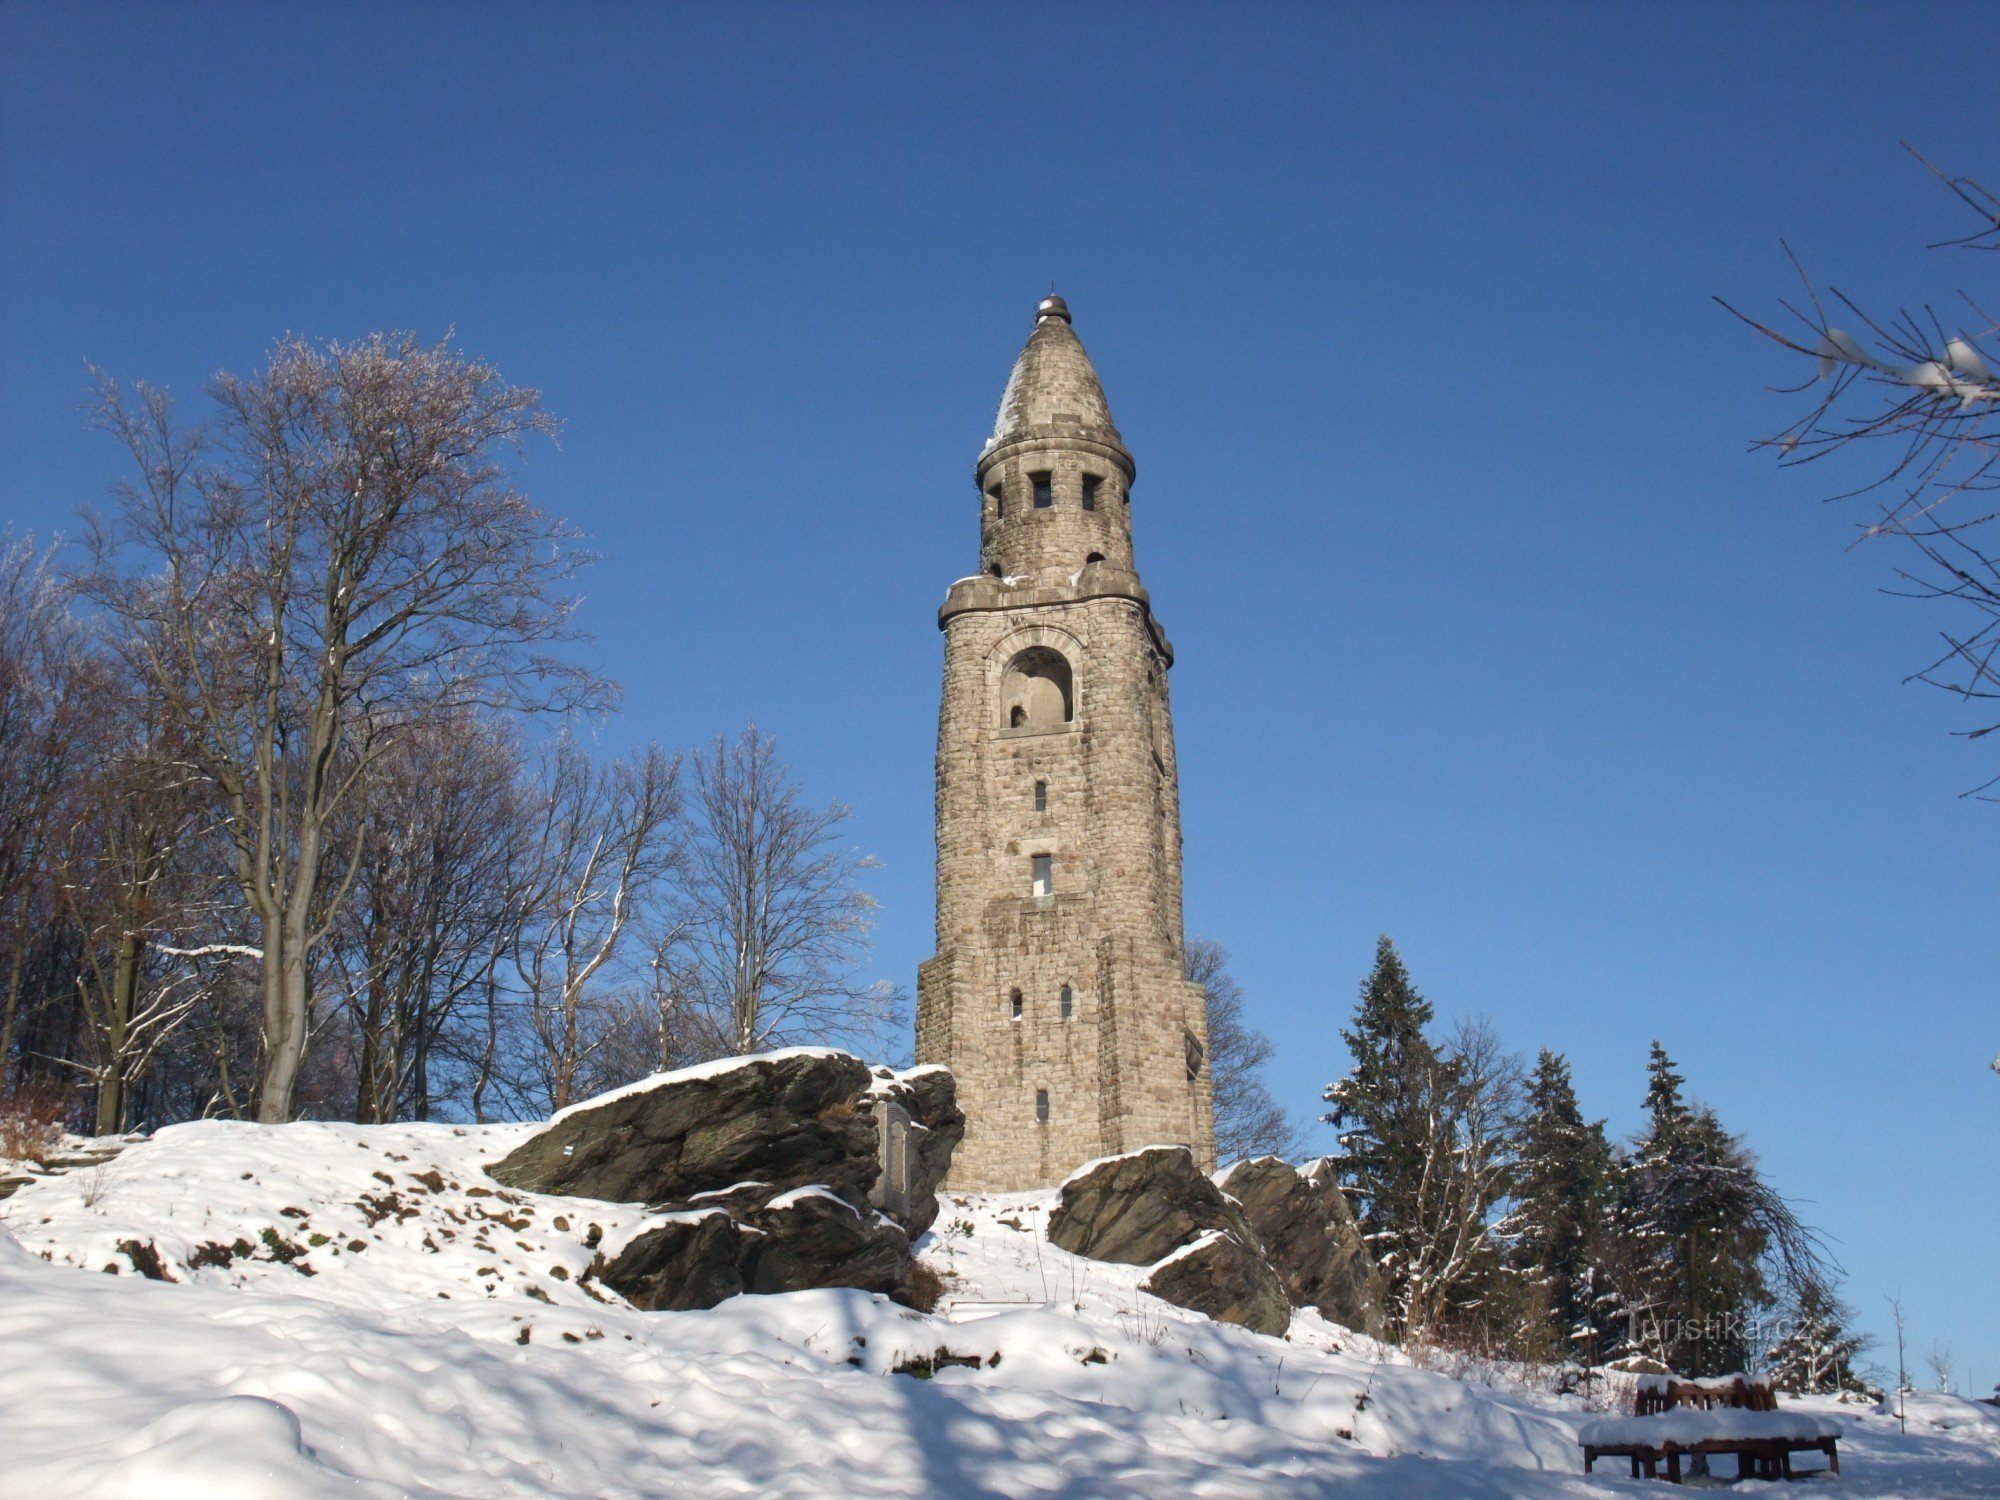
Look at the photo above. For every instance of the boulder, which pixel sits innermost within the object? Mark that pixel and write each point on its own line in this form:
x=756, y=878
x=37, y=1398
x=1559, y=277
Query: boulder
x=1310, y=1239
x=1138, y=1208
x=919, y=1125
x=789, y=1119
x=691, y=1260
x=1227, y=1279
x=806, y=1237
x=811, y=1238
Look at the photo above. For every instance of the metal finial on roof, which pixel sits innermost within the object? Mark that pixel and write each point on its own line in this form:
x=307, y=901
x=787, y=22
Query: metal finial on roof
x=1052, y=306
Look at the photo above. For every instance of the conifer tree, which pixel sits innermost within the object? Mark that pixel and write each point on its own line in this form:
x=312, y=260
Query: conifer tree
x=1697, y=1227
x=1562, y=1182
x=1816, y=1356
x=1379, y=1107
x=1425, y=1151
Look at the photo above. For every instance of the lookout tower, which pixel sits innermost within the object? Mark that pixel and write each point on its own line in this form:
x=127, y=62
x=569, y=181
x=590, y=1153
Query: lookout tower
x=1058, y=994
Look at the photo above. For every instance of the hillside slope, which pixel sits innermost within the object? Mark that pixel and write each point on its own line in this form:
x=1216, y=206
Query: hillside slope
x=360, y=1311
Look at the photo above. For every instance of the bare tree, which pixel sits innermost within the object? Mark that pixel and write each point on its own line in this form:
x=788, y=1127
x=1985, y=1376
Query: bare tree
x=1248, y=1121
x=43, y=663
x=1924, y=404
x=129, y=883
x=774, y=925
x=1472, y=1104
x=340, y=557
x=430, y=904
x=602, y=849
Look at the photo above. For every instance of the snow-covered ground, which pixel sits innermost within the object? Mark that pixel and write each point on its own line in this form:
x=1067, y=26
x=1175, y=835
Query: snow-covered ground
x=360, y=1311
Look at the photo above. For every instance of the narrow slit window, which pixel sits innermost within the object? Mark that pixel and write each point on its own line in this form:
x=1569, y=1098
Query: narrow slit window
x=1041, y=796
x=1068, y=1003
x=1041, y=1106
x=1042, y=874
x=1194, y=1057
x=1090, y=484
x=1045, y=489
x=1017, y=1005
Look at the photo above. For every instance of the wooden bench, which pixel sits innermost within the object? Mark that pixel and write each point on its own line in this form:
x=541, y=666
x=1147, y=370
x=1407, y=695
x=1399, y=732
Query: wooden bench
x=1762, y=1439
x=1756, y=1458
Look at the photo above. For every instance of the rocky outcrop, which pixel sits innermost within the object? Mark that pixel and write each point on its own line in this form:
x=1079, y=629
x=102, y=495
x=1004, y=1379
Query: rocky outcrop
x=1310, y=1239
x=808, y=1237
x=1225, y=1278
x=918, y=1126
x=691, y=1260
x=787, y=1119
x=1138, y=1208
x=768, y=1172
x=1157, y=1208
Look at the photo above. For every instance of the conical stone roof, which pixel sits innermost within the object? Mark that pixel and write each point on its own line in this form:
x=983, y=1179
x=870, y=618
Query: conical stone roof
x=1054, y=391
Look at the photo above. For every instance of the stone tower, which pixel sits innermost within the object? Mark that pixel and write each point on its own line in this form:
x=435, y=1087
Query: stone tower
x=1057, y=995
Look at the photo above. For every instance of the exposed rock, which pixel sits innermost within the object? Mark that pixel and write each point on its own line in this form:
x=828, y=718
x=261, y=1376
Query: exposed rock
x=691, y=1260
x=920, y=1107
x=768, y=1170
x=812, y=1238
x=1309, y=1236
x=1227, y=1279
x=1138, y=1208
x=807, y=1237
x=788, y=1118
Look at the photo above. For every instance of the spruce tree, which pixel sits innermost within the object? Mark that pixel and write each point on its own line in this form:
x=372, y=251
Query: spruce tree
x=1695, y=1229
x=1381, y=1109
x=1816, y=1356
x=1561, y=1187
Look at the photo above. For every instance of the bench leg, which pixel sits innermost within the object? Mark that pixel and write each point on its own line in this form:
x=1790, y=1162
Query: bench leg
x=1635, y=1466
x=1833, y=1454
x=1674, y=1467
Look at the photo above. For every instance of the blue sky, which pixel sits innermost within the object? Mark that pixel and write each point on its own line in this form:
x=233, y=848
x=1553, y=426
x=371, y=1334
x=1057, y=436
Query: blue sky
x=1492, y=634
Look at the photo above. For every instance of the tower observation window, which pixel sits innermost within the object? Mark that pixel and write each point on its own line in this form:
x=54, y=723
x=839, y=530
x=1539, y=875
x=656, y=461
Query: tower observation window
x=1038, y=690
x=1090, y=484
x=999, y=502
x=1041, y=796
x=1041, y=1106
x=1042, y=872
x=1045, y=489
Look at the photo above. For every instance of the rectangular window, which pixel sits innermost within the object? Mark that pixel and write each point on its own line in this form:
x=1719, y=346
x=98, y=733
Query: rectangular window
x=1194, y=1057
x=1041, y=796
x=1043, y=868
x=1017, y=1005
x=1045, y=490
x=1090, y=484
x=999, y=502
x=1042, y=1106
x=1068, y=1003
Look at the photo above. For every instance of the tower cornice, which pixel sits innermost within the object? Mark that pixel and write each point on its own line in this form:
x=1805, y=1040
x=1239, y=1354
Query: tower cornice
x=1053, y=439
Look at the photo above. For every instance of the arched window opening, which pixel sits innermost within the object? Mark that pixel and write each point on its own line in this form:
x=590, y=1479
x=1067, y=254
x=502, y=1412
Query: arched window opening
x=995, y=570
x=1038, y=690
x=1041, y=796
x=1041, y=1106
x=1068, y=1003
x=1094, y=557
x=1016, y=1001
